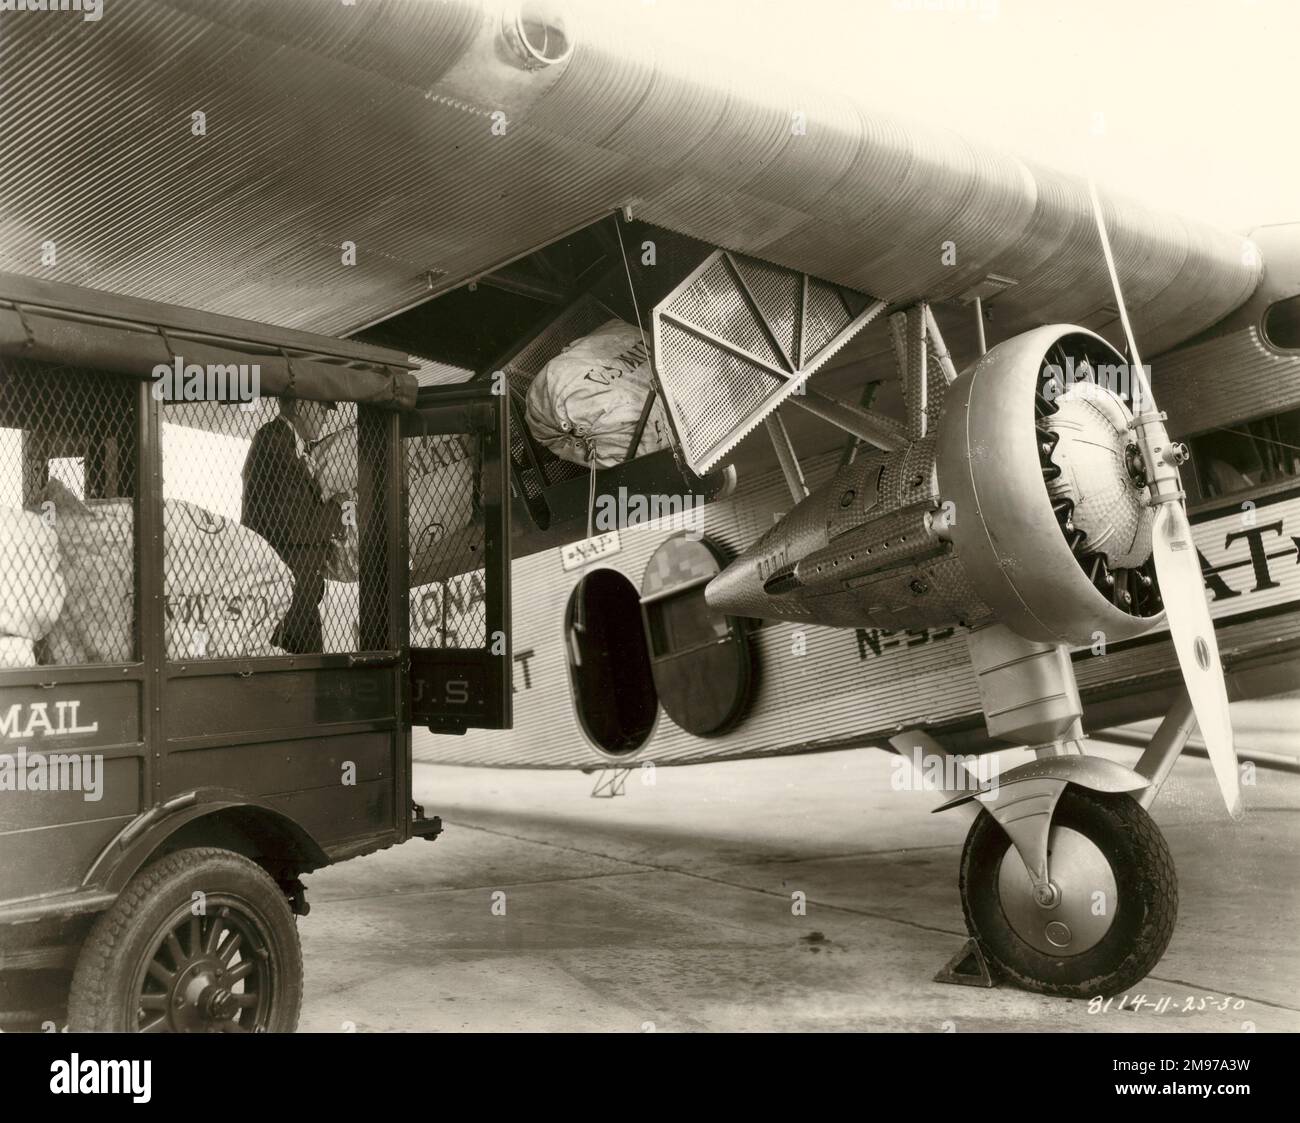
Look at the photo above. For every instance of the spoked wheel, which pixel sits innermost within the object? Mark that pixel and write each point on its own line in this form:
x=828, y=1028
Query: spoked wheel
x=201, y=941
x=1110, y=915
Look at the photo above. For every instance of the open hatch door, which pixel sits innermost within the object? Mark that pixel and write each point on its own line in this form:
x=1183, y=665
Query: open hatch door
x=457, y=515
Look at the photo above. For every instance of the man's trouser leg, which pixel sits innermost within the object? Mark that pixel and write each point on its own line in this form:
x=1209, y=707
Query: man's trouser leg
x=299, y=632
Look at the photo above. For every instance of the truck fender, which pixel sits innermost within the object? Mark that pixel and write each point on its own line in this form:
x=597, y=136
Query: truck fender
x=141, y=838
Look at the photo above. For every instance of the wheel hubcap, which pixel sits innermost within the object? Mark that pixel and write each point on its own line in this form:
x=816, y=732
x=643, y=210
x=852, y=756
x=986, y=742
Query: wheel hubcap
x=1077, y=907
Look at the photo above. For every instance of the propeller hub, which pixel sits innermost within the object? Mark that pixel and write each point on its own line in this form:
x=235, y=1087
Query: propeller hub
x=1102, y=475
x=1137, y=468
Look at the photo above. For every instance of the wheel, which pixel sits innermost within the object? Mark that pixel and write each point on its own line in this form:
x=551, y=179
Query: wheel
x=163, y=960
x=1117, y=898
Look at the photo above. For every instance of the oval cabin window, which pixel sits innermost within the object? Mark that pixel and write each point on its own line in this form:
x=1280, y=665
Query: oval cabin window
x=609, y=663
x=1282, y=324
x=700, y=659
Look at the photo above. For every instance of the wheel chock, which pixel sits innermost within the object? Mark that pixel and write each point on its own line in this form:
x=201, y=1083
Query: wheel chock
x=968, y=968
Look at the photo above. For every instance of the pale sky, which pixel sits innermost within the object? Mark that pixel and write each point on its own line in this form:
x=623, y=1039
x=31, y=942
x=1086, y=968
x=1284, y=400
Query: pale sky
x=1197, y=96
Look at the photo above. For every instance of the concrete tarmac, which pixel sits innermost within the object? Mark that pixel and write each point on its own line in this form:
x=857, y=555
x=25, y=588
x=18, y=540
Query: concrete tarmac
x=673, y=907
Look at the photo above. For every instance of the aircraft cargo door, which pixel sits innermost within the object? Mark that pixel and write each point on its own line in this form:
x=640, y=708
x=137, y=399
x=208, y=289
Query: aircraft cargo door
x=458, y=527
x=701, y=659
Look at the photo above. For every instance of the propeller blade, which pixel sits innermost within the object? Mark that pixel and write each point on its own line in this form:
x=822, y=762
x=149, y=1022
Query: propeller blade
x=1178, y=569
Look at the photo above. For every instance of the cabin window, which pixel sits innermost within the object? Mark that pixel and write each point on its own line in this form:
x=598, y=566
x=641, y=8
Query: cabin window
x=609, y=663
x=1282, y=324
x=700, y=658
x=67, y=516
x=1246, y=455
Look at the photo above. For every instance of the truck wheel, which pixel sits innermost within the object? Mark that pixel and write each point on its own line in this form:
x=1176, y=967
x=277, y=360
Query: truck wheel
x=1115, y=906
x=202, y=940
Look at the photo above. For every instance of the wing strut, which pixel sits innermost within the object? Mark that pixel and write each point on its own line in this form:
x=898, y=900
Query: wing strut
x=924, y=366
x=874, y=428
x=785, y=454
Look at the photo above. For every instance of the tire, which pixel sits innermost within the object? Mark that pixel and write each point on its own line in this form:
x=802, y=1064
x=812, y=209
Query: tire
x=1142, y=916
x=121, y=982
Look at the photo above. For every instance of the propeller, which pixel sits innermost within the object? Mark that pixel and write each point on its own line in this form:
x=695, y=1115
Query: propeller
x=1177, y=564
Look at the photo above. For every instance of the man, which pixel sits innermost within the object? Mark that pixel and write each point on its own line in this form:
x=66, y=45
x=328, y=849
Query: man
x=283, y=503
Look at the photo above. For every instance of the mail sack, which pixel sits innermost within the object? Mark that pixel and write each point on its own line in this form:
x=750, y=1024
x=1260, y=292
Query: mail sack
x=31, y=586
x=335, y=457
x=585, y=404
x=17, y=651
x=444, y=507
x=224, y=586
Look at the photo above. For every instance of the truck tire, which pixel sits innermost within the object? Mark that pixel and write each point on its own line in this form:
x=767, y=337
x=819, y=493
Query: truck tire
x=201, y=940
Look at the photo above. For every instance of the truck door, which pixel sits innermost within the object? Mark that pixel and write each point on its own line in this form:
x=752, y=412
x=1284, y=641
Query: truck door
x=457, y=504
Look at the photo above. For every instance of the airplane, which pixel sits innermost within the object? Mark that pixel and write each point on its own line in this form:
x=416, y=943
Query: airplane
x=918, y=493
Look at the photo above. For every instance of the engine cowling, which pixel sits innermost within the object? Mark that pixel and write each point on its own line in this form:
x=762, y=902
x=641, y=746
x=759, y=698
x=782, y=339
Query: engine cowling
x=1027, y=506
x=1034, y=443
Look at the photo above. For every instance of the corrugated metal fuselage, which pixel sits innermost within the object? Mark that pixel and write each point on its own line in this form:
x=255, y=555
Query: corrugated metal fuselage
x=837, y=687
